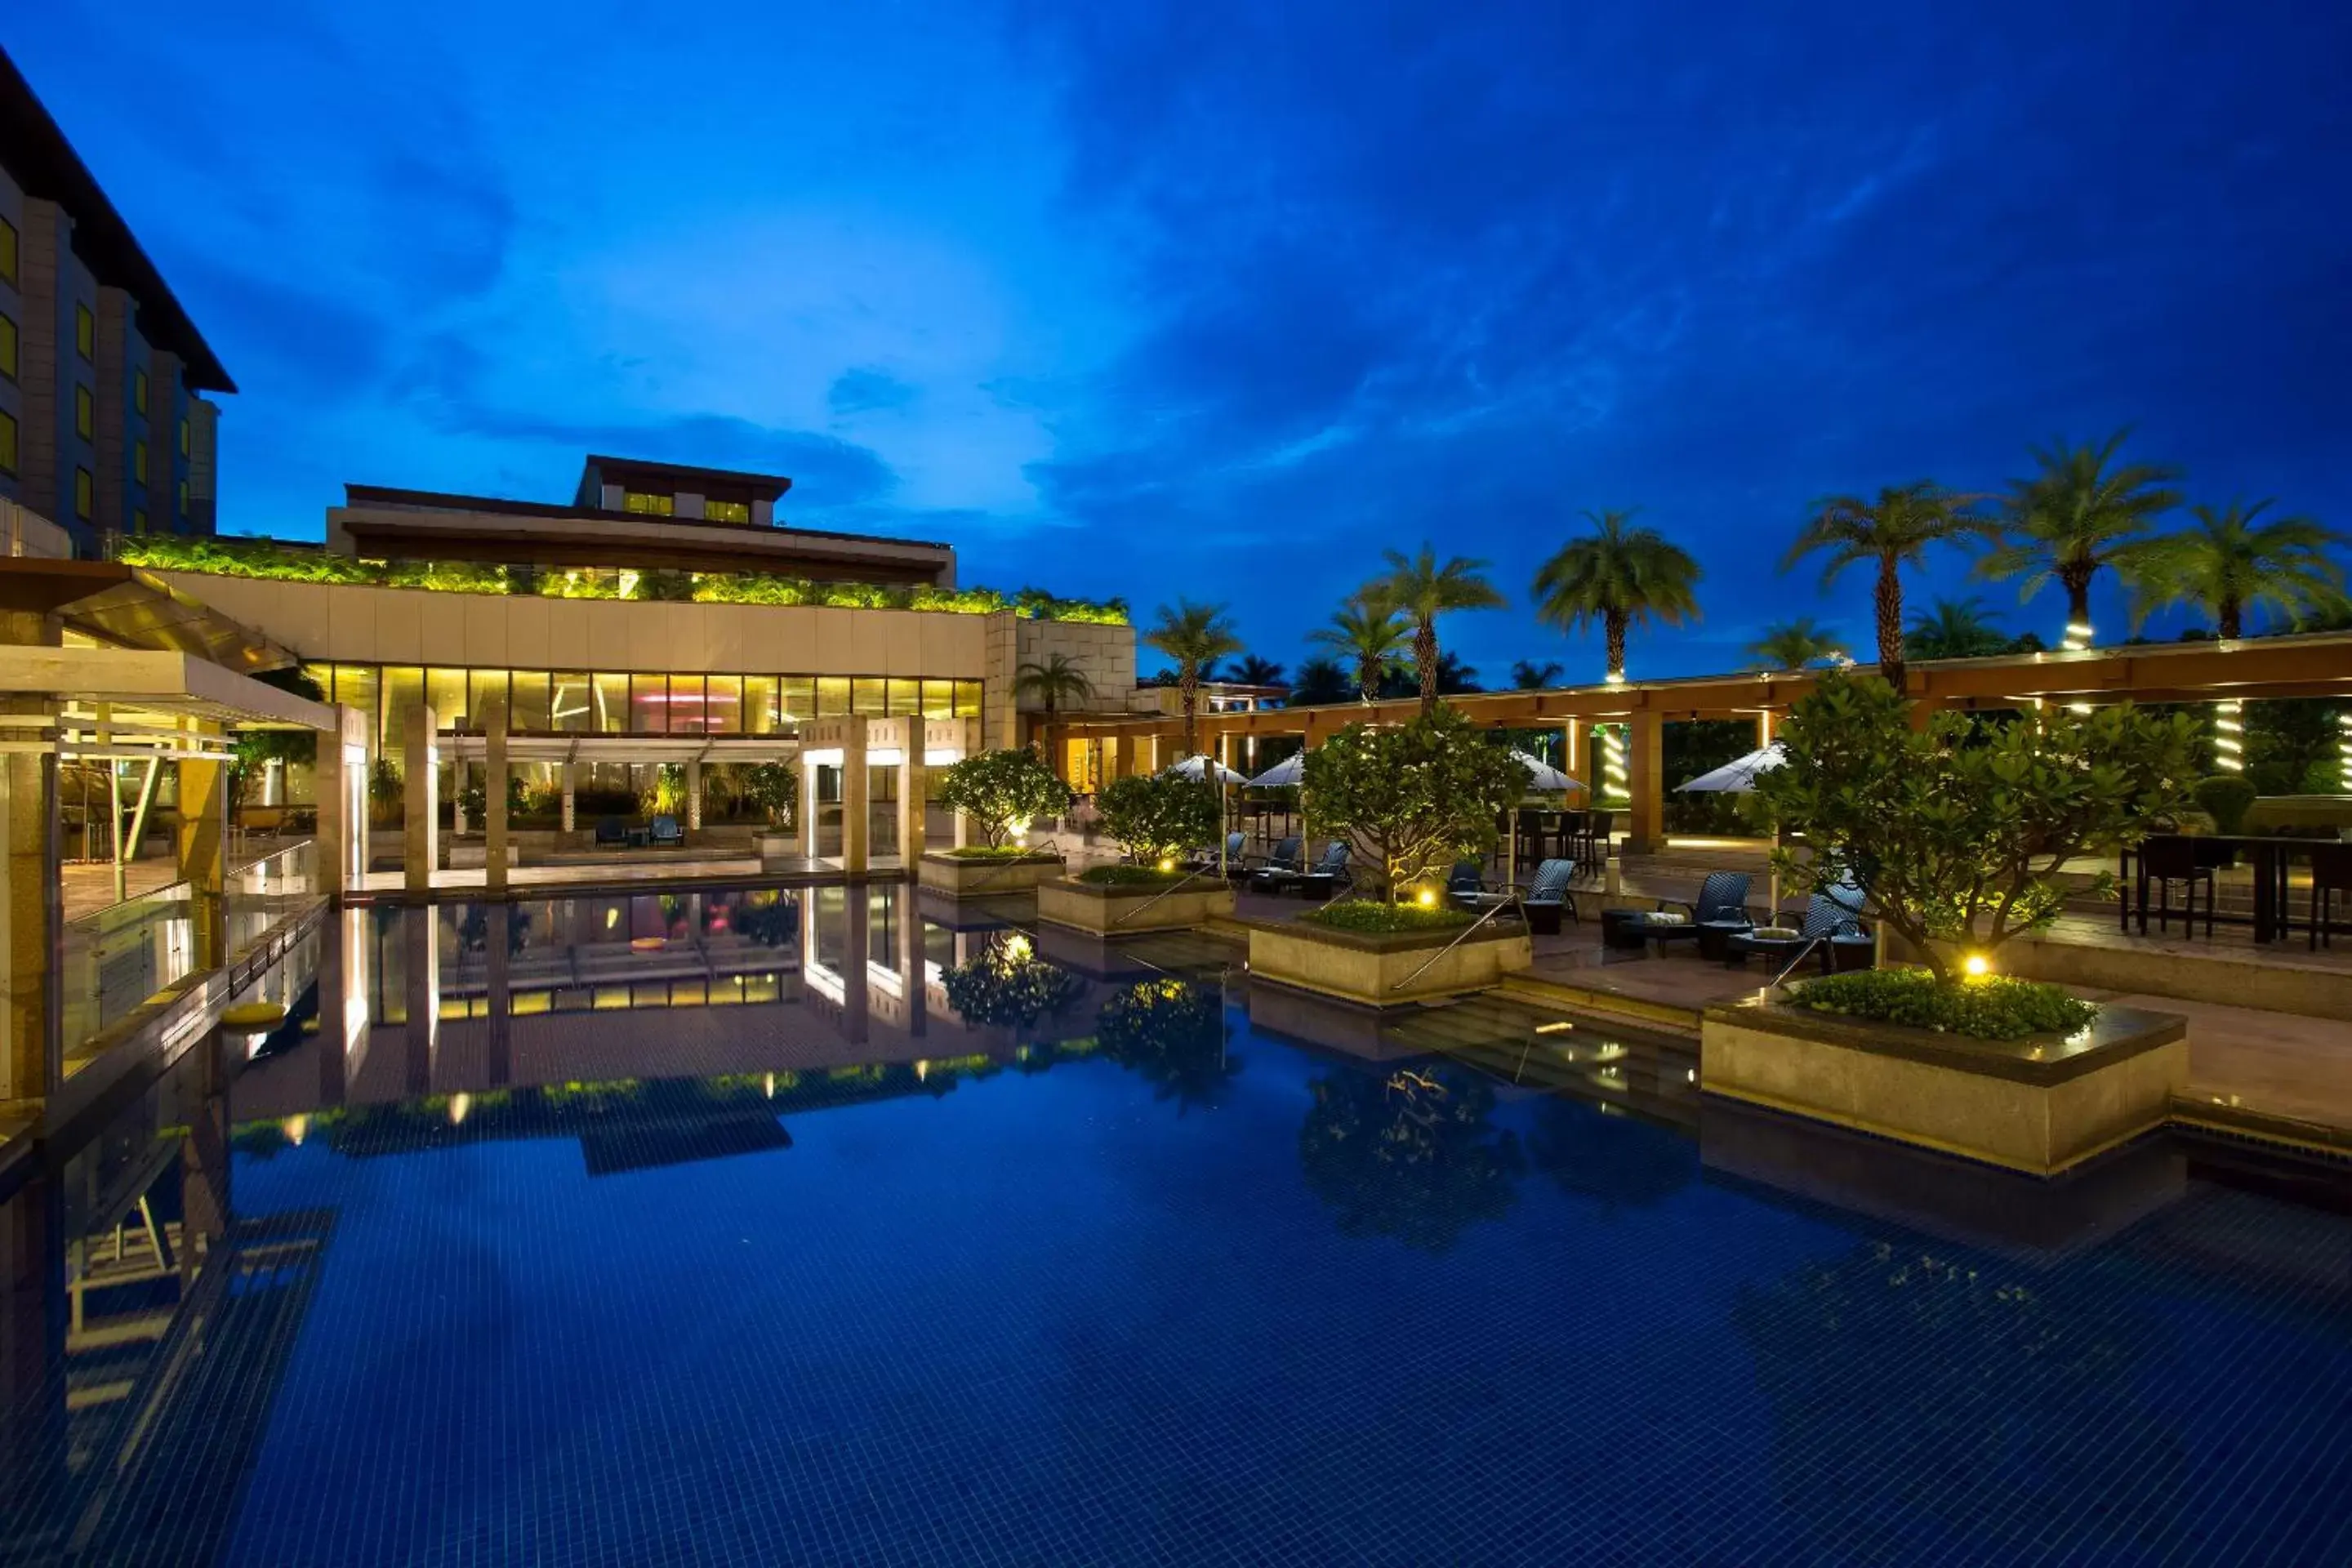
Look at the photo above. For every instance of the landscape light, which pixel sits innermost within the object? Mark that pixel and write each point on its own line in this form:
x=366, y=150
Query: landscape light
x=2078, y=637
x=1427, y=897
x=1166, y=865
x=2228, y=737
x=1977, y=966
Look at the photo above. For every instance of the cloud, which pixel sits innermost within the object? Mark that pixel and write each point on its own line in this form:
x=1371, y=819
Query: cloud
x=866, y=389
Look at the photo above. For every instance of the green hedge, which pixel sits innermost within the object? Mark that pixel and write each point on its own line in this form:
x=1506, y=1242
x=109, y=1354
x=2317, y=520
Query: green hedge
x=1993, y=1007
x=265, y=558
x=1128, y=877
x=1369, y=915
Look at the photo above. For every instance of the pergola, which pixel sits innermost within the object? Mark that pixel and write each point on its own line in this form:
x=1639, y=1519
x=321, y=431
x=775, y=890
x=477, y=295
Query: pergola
x=2243, y=670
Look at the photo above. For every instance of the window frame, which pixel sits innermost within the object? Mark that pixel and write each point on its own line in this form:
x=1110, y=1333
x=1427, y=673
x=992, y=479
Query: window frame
x=85, y=332
x=85, y=494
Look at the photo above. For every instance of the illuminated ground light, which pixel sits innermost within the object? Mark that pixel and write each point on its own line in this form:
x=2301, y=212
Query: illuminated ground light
x=2230, y=737
x=2078, y=637
x=1613, y=763
x=2343, y=750
x=1977, y=966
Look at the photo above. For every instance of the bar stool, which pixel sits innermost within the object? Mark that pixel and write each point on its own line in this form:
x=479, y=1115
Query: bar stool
x=2169, y=861
x=1571, y=843
x=2331, y=873
x=1598, y=829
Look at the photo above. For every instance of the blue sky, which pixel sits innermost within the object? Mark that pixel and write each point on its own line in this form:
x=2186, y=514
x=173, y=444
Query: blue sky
x=1221, y=298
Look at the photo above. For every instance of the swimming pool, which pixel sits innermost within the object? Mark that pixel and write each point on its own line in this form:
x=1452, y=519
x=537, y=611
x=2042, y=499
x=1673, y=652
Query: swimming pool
x=798, y=1226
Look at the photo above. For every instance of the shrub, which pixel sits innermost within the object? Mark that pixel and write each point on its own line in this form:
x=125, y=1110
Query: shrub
x=989, y=852
x=1128, y=876
x=773, y=789
x=1956, y=832
x=1414, y=797
x=1993, y=1007
x=1365, y=915
x=2226, y=798
x=1158, y=817
x=1002, y=792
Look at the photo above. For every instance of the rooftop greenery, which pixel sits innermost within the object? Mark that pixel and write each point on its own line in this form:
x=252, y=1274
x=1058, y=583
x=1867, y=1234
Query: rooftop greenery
x=265, y=558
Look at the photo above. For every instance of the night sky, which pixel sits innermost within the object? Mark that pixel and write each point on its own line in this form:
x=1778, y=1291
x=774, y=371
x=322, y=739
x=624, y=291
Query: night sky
x=1220, y=298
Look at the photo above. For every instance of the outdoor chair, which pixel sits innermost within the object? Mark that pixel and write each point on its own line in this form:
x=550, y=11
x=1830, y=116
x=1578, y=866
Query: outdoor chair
x=1723, y=896
x=663, y=833
x=1467, y=888
x=1206, y=860
x=1548, y=895
x=1599, y=826
x=2331, y=873
x=2166, y=860
x=1833, y=922
x=1287, y=856
x=1326, y=871
x=612, y=832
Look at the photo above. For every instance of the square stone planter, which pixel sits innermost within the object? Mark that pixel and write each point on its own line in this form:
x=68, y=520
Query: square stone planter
x=1385, y=970
x=965, y=876
x=1130, y=910
x=2039, y=1105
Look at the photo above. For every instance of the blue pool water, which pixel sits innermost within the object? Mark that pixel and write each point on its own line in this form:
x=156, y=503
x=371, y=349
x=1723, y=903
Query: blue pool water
x=802, y=1264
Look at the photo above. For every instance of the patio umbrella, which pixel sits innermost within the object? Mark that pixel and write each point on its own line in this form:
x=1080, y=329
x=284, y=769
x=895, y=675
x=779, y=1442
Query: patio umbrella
x=1197, y=766
x=1543, y=778
x=1290, y=771
x=1738, y=777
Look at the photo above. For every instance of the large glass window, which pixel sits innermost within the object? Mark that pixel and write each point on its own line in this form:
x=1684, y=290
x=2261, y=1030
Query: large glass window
x=939, y=699
x=967, y=699
x=403, y=694
x=85, y=332
x=573, y=706
x=759, y=705
x=611, y=693
x=8, y=346
x=487, y=687
x=445, y=690
x=85, y=414
x=530, y=698
x=869, y=697
x=687, y=711
x=832, y=696
x=795, y=699
x=727, y=511
x=7, y=442
x=649, y=704
x=722, y=705
x=355, y=687
x=645, y=505
x=905, y=698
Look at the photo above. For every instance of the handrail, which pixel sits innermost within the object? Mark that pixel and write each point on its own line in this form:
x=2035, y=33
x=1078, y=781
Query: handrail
x=1509, y=903
x=1810, y=942
x=1196, y=871
x=1006, y=868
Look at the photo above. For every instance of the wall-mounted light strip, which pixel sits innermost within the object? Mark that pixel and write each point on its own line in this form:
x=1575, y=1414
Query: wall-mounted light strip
x=2078, y=637
x=2230, y=737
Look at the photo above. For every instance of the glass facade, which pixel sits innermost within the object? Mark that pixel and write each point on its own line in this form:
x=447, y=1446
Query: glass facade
x=613, y=702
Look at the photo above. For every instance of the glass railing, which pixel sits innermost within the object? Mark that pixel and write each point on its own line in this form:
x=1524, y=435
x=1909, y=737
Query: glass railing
x=121, y=958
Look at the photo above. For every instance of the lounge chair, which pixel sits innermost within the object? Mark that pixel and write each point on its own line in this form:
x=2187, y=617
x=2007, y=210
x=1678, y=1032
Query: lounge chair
x=1548, y=895
x=1722, y=901
x=1468, y=887
x=663, y=833
x=1328, y=871
x=1286, y=858
x=612, y=832
x=1832, y=921
x=1206, y=860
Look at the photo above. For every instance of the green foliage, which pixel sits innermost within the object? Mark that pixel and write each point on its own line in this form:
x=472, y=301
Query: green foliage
x=997, y=789
x=1986, y=1007
x=1956, y=832
x=989, y=852
x=1414, y=1155
x=1617, y=577
x=1419, y=588
x=2076, y=515
x=235, y=557
x=2228, y=564
x=1006, y=986
x=1321, y=680
x=1797, y=644
x=1053, y=681
x=1195, y=635
x=2226, y=798
x=1414, y=797
x=1157, y=815
x=1954, y=628
x=1370, y=638
x=1173, y=1035
x=665, y=796
x=1370, y=916
x=773, y=789
x=1123, y=875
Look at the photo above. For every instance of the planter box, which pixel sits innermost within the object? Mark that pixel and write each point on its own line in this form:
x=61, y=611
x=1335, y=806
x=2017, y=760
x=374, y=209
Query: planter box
x=464, y=855
x=1122, y=911
x=2039, y=1105
x=776, y=850
x=1384, y=970
x=967, y=877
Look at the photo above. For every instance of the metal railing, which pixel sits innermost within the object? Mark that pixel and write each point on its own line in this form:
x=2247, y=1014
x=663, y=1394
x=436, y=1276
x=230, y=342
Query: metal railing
x=1187, y=876
x=1510, y=901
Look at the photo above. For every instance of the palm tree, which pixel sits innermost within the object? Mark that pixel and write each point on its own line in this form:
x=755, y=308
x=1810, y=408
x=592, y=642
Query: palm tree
x=1255, y=672
x=1321, y=680
x=1527, y=675
x=1368, y=636
x=1793, y=645
x=1054, y=681
x=2075, y=517
x=1418, y=587
x=1618, y=576
x=1895, y=529
x=1195, y=636
x=2231, y=563
x=1956, y=628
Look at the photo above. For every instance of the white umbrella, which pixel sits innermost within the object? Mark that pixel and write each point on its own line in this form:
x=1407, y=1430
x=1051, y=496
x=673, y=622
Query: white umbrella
x=1291, y=770
x=1542, y=777
x=1191, y=768
x=1738, y=777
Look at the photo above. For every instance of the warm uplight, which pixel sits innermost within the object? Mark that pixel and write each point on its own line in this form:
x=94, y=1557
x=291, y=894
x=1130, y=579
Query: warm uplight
x=644, y=943
x=2228, y=737
x=1017, y=948
x=1427, y=897
x=296, y=1129
x=1977, y=966
x=1559, y=1026
x=1018, y=827
x=458, y=1105
x=1166, y=865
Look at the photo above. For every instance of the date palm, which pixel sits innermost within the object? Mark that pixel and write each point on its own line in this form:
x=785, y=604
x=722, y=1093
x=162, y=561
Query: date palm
x=1893, y=530
x=1255, y=672
x=1618, y=576
x=1419, y=588
x=1054, y=680
x=2082, y=512
x=1527, y=675
x=1370, y=638
x=1793, y=645
x=2229, y=562
x=1954, y=628
x=1195, y=635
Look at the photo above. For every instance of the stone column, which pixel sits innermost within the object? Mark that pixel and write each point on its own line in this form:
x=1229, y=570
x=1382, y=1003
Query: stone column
x=34, y=914
x=494, y=798
x=1125, y=766
x=204, y=857
x=421, y=838
x=913, y=829
x=1645, y=781
x=571, y=773
x=855, y=809
x=458, y=771
x=1766, y=723
x=1571, y=754
x=499, y=942
x=694, y=796
x=421, y=988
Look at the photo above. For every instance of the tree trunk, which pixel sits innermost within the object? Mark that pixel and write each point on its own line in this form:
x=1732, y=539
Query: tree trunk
x=1368, y=679
x=1890, y=622
x=1614, y=624
x=1188, y=694
x=2078, y=597
x=1424, y=652
x=2232, y=618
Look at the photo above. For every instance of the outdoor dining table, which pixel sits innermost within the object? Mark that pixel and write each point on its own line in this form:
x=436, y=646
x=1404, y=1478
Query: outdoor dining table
x=2265, y=855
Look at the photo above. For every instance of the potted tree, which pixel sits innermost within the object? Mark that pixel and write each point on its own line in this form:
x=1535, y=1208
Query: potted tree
x=1157, y=819
x=1412, y=799
x=998, y=794
x=773, y=790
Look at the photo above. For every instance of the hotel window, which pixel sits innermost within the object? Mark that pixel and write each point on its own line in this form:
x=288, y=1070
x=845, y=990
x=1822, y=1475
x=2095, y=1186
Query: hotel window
x=85, y=332
x=649, y=704
x=180, y=498
x=7, y=442
x=687, y=711
x=722, y=706
x=939, y=699
x=355, y=687
x=139, y=461
x=832, y=696
x=85, y=414
x=445, y=693
x=8, y=346
x=906, y=698
x=183, y=437
x=795, y=699
x=573, y=708
x=612, y=703
x=529, y=699
x=85, y=494
x=726, y=511
x=138, y=519
x=8, y=253
x=759, y=705
x=139, y=391
x=488, y=686
x=403, y=693
x=869, y=697
x=967, y=699
x=648, y=506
